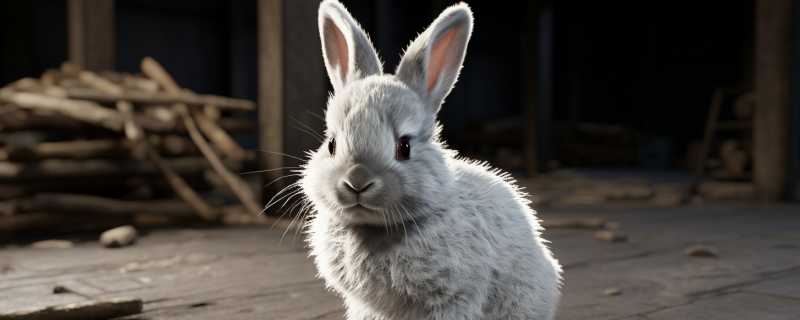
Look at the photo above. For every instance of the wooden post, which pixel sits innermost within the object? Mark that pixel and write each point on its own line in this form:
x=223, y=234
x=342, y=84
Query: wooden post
x=270, y=88
x=292, y=85
x=91, y=33
x=772, y=74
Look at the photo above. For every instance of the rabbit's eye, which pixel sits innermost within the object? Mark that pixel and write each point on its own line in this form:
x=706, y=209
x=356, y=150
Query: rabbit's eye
x=332, y=146
x=403, y=150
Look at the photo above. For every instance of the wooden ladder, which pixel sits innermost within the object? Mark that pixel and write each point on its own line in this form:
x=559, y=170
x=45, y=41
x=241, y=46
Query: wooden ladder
x=715, y=125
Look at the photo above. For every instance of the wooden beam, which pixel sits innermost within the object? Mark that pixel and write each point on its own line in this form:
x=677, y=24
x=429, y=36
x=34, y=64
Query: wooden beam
x=772, y=75
x=270, y=88
x=91, y=33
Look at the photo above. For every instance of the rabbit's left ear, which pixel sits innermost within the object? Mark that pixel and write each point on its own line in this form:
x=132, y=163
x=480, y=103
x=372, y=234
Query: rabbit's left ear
x=432, y=62
x=346, y=48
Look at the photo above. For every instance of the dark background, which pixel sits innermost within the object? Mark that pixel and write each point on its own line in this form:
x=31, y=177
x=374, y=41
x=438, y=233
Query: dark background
x=646, y=68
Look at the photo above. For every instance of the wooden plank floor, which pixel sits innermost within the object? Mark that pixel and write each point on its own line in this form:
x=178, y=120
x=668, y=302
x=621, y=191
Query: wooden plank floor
x=250, y=273
x=236, y=273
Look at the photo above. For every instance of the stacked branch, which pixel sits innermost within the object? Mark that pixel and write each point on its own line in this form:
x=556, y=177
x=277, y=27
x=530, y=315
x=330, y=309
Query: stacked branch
x=79, y=148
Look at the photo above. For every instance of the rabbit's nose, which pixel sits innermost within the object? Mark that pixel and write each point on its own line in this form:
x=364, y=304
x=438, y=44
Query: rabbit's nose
x=354, y=188
x=358, y=179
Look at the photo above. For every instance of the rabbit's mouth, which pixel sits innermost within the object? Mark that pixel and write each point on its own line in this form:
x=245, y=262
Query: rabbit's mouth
x=361, y=207
x=360, y=213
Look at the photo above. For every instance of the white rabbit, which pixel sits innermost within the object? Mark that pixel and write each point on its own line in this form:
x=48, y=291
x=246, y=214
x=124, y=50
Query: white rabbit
x=401, y=227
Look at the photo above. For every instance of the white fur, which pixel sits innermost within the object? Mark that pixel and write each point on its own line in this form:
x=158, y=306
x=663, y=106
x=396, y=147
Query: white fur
x=435, y=236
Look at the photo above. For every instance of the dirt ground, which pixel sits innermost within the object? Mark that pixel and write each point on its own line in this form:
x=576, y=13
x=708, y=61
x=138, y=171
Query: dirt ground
x=250, y=273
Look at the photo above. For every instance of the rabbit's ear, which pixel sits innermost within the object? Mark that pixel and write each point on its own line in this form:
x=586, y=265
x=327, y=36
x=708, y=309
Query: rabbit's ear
x=346, y=48
x=431, y=63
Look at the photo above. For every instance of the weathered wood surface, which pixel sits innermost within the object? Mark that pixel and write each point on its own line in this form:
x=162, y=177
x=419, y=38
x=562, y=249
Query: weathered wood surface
x=91, y=33
x=84, y=310
x=250, y=273
x=757, y=246
x=186, y=274
x=773, y=58
x=271, y=96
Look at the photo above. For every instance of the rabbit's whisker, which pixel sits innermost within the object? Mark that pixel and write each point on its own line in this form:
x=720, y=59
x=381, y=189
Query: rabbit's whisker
x=316, y=137
x=282, y=154
x=307, y=129
x=277, y=196
x=268, y=170
x=278, y=200
x=316, y=115
x=281, y=178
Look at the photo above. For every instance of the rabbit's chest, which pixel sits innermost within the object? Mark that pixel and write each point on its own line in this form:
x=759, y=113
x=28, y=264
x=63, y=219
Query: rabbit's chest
x=363, y=266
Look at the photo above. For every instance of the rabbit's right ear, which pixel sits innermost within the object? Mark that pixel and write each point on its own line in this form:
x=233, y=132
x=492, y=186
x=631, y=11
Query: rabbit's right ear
x=346, y=48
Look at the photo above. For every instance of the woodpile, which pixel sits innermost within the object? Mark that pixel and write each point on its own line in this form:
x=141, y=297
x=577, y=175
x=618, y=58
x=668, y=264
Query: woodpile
x=566, y=188
x=84, y=150
x=596, y=144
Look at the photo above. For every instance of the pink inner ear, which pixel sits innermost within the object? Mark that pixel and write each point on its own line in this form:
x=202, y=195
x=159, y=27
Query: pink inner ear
x=441, y=56
x=336, y=48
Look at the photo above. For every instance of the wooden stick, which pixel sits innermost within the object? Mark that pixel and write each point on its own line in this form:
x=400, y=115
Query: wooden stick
x=25, y=84
x=182, y=189
x=12, y=189
x=237, y=185
x=13, y=118
x=88, y=204
x=136, y=83
x=58, y=168
x=153, y=124
x=211, y=112
x=99, y=83
x=178, y=184
x=152, y=69
x=175, y=145
x=141, y=149
x=16, y=119
x=132, y=128
x=78, y=149
x=86, y=111
x=89, y=310
x=219, y=137
x=158, y=98
x=171, y=145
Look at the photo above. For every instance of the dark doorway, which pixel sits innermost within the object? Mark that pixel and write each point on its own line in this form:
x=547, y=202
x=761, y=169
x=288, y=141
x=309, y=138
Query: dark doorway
x=633, y=81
